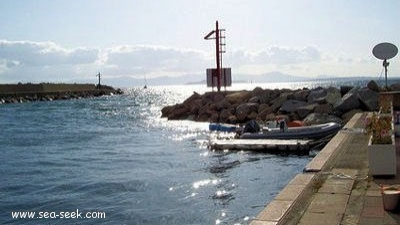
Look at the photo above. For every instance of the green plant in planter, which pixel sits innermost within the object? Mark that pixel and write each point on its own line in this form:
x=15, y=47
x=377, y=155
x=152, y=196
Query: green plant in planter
x=385, y=104
x=380, y=127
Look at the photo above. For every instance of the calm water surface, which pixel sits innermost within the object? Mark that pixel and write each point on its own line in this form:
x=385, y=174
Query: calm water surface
x=116, y=155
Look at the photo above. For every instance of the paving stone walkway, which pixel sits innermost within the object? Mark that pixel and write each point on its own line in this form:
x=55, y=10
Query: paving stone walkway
x=349, y=196
x=338, y=191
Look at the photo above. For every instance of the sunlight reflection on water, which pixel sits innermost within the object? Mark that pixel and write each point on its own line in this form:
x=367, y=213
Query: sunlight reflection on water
x=115, y=153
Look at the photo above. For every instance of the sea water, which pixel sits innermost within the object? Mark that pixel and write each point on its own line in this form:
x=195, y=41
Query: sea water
x=115, y=158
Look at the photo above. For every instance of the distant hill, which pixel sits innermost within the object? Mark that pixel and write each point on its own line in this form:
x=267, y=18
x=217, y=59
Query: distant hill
x=127, y=81
x=271, y=77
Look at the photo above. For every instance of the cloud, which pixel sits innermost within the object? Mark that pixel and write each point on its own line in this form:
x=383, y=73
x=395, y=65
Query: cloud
x=43, y=61
x=29, y=61
x=154, y=59
x=44, y=53
x=277, y=55
x=47, y=61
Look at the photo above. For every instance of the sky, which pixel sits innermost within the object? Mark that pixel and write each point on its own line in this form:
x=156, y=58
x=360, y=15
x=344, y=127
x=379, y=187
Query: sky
x=64, y=41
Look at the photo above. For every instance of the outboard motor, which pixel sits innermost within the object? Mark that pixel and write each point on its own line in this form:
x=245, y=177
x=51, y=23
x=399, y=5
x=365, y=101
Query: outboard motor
x=282, y=126
x=251, y=127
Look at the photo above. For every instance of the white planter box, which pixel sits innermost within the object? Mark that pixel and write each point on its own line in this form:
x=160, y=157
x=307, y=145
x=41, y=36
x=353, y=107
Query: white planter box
x=382, y=158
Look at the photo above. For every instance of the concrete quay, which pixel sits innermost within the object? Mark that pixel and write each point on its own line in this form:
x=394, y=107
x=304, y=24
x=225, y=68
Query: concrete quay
x=335, y=188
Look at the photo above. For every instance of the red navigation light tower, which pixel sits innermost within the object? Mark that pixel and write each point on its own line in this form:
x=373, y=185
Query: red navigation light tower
x=219, y=72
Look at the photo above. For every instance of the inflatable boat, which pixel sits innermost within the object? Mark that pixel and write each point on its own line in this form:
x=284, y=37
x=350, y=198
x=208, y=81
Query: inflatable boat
x=306, y=132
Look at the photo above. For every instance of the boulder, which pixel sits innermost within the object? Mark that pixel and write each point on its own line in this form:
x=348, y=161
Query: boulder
x=368, y=99
x=348, y=115
x=319, y=118
x=316, y=94
x=218, y=96
x=205, y=112
x=245, y=109
x=301, y=95
x=324, y=108
x=332, y=95
x=194, y=111
x=348, y=102
x=223, y=104
x=257, y=91
x=264, y=112
x=261, y=107
x=204, y=117
x=191, y=117
x=252, y=116
x=267, y=95
x=179, y=112
x=273, y=94
x=225, y=115
x=277, y=102
x=270, y=117
x=166, y=111
x=305, y=110
x=214, y=117
x=345, y=89
x=373, y=86
x=232, y=120
x=204, y=108
x=238, y=97
x=255, y=99
x=290, y=106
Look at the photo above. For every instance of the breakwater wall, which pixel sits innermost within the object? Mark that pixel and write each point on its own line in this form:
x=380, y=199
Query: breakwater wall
x=44, y=87
x=18, y=93
x=311, y=106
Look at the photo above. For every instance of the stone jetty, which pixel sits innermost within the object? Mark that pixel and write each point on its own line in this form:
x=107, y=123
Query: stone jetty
x=19, y=93
x=311, y=106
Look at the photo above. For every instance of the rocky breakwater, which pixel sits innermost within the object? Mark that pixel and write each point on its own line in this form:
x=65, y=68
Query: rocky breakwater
x=312, y=106
x=20, y=93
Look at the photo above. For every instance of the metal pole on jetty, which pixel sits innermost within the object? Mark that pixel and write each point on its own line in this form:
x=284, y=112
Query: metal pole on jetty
x=217, y=56
x=223, y=75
